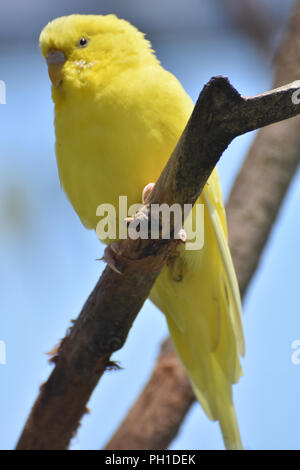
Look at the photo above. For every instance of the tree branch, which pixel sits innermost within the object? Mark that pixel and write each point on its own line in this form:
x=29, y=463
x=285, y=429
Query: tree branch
x=251, y=210
x=106, y=318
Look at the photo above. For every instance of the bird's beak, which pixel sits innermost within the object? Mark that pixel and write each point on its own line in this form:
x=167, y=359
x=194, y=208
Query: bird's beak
x=55, y=60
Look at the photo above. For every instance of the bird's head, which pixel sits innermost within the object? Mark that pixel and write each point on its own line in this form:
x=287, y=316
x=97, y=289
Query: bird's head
x=83, y=49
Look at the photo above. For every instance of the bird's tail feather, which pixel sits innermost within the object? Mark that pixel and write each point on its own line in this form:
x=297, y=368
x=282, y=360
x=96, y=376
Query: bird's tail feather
x=216, y=396
x=230, y=430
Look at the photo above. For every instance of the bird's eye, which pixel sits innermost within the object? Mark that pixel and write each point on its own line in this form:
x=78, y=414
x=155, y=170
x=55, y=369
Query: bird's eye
x=83, y=42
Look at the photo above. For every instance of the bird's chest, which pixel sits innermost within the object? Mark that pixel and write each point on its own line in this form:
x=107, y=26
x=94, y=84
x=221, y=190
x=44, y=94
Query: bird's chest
x=102, y=155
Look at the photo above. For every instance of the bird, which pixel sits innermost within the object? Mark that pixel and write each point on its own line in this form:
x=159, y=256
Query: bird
x=118, y=116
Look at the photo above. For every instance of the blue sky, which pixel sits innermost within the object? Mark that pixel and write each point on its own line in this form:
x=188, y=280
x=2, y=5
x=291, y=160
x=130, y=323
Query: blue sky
x=48, y=262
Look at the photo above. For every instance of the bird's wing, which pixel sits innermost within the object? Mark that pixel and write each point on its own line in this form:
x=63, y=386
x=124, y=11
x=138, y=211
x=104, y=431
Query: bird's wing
x=203, y=311
x=213, y=199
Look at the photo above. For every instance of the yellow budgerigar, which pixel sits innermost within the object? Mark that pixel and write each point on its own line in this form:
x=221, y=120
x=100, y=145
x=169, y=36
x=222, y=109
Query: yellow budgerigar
x=118, y=117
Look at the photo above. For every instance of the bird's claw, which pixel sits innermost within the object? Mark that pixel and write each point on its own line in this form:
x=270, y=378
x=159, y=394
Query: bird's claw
x=182, y=235
x=147, y=191
x=111, y=252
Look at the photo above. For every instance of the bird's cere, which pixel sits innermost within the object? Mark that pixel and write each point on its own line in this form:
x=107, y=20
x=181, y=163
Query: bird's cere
x=56, y=57
x=55, y=60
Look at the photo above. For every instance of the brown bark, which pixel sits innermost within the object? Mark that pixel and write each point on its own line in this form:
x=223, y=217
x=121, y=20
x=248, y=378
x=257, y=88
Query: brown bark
x=256, y=19
x=252, y=208
x=106, y=318
x=167, y=397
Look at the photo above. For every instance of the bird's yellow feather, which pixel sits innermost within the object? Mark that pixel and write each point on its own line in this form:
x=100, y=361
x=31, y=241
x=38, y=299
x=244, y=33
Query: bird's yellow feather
x=118, y=116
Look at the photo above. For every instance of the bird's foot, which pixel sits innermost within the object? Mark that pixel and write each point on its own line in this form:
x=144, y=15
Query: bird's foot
x=145, y=198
